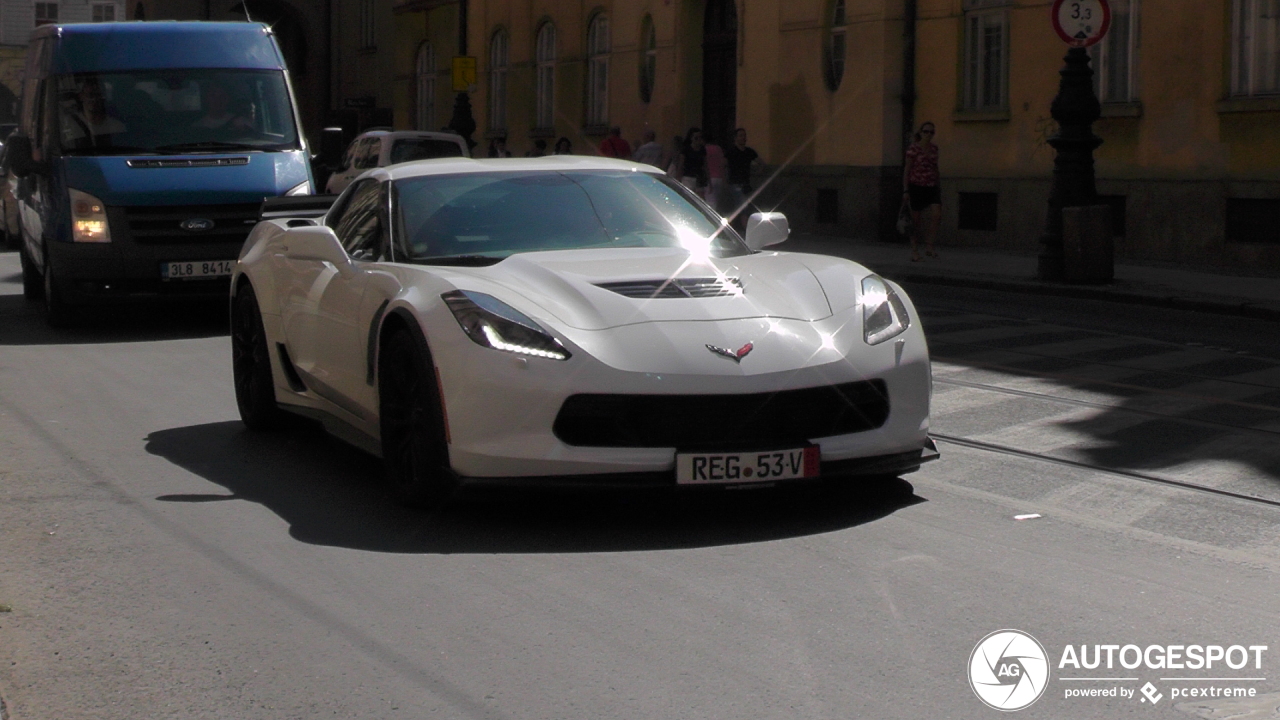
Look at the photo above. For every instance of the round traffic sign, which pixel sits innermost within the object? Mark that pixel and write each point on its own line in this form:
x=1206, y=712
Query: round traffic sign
x=1081, y=23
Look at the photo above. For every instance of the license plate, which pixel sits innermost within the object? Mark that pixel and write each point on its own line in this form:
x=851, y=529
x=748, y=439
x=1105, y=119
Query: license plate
x=732, y=468
x=196, y=269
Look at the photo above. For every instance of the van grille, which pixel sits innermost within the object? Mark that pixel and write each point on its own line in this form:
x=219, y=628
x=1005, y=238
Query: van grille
x=162, y=224
x=761, y=420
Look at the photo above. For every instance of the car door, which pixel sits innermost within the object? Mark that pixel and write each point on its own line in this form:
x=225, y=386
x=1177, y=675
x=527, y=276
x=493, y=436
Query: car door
x=334, y=339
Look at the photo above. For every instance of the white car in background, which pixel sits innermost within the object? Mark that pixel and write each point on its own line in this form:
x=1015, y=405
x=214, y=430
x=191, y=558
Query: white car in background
x=572, y=320
x=380, y=148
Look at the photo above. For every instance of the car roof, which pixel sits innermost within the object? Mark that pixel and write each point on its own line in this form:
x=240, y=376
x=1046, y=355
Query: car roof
x=397, y=134
x=551, y=163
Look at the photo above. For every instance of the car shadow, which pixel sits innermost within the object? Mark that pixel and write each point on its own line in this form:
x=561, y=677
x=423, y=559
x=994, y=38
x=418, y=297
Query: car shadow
x=330, y=494
x=22, y=323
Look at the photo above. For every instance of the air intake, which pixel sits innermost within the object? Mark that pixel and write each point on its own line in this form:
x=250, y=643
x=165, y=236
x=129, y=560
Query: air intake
x=677, y=288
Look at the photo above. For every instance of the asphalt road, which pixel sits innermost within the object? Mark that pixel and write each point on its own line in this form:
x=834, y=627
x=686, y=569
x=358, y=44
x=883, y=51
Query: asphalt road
x=161, y=562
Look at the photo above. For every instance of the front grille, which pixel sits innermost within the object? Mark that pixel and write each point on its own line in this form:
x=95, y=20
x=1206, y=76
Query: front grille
x=676, y=288
x=162, y=224
x=692, y=422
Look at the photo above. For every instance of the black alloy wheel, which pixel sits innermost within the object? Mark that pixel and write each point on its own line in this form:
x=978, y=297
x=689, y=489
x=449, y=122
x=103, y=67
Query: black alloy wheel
x=251, y=364
x=32, y=285
x=414, y=450
x=57, y=312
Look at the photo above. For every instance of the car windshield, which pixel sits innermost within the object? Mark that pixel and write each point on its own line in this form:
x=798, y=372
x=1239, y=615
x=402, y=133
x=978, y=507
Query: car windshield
x=175, y=111
x=493, y=215
x=406, y=149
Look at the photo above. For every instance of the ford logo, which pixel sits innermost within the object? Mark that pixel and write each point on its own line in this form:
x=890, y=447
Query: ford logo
x=196, y=225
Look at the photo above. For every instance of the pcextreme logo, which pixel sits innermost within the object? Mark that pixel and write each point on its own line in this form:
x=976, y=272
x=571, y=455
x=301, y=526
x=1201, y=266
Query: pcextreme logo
x=1008, y=670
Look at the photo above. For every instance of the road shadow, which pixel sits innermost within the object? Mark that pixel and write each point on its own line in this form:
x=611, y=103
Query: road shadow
x=330, y=494
x=22, y=322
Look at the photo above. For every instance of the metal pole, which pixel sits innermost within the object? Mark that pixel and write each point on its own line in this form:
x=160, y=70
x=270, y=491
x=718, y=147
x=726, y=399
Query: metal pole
x=1074, y=109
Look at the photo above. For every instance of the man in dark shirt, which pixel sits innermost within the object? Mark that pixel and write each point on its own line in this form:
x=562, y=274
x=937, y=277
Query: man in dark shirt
x=740, y=158
x=614, y=146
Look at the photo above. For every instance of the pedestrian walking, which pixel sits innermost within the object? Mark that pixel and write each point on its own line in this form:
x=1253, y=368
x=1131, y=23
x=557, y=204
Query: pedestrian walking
x=539, y=149
x=739, y=159
x=692, y=169
x=563, y=147
x=716, y=176
x=672, y=158
x=614, y=146
x=650, y=151
x=921, y=191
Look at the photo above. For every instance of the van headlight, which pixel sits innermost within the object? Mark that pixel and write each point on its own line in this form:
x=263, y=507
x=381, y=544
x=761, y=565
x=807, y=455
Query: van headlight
x=88, y=218
x=494, y=324
x=884, y=315
x=302, y=188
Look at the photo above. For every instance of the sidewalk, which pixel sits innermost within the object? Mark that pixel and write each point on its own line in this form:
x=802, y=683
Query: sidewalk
x=1245, y=295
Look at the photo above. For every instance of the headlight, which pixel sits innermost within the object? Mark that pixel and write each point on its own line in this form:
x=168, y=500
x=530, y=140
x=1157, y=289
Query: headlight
x=494, y=324
x=884, y=315
x=302, y=188
x=88, y=218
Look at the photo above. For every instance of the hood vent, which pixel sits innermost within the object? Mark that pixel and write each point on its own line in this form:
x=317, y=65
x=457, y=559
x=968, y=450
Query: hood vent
x=189, y=162
x=677, y=288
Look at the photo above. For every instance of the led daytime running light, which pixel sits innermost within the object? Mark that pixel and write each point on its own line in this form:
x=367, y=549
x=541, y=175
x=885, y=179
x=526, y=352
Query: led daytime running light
x=496, y=341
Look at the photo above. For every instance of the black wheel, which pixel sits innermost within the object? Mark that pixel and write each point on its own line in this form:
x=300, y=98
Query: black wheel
x=57, y=312
x=251, y=365
x=414, y=449
x=32, y=287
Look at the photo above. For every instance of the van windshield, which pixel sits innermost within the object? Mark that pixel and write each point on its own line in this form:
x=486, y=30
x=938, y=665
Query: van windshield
x=175, y=112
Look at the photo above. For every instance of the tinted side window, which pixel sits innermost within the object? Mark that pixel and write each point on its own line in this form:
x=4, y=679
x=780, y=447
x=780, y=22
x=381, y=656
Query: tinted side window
x=360, y=227
x=367, y=157
x=423, y=149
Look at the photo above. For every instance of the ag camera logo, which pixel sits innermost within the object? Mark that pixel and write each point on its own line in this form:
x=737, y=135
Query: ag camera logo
x=1008, y=670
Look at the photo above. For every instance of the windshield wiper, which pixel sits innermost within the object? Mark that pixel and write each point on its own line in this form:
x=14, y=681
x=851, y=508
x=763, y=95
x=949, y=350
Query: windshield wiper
x=212, y=145
x=465, y=260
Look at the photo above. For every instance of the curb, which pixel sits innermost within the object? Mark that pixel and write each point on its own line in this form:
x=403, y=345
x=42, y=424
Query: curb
x=1219, y=307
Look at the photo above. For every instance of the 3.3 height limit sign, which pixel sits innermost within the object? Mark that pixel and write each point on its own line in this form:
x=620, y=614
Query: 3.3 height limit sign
x=1081, y=23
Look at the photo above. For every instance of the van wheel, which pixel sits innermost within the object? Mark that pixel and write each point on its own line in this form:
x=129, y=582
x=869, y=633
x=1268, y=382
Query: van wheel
x=32, y=288
x=414, y=450
x=57, y=312
x=251, y=364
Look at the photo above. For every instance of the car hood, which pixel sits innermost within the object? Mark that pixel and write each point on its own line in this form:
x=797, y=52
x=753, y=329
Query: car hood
x=164, y=180
x=600, y=289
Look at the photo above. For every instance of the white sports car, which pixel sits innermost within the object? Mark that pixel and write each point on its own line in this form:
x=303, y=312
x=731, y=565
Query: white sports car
x=571, y=320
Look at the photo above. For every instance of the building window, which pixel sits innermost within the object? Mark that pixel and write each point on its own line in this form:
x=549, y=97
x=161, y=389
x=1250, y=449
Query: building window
x=836, y=45
x=1115, y=57
x=546, y=62
x=367, y=38
x=498, y=81
x=46, y=13
x=985, y=69
x=648, y=58
x=425, y=72
x=1255, y=47
x=598, y=70
x=104, y=12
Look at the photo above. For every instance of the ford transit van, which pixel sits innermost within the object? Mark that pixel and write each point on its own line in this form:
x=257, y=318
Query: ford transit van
x=143, y=153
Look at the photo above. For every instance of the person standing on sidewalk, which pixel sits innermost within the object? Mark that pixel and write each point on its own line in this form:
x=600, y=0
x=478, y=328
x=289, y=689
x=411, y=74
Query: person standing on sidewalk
x=691, y=163
x=740, y=159
x=614, y=146
x=650, y=152
x=921, y=190
x=716, y=186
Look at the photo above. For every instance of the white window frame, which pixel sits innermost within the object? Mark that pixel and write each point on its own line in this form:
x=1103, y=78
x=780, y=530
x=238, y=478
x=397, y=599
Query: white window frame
x=1255, y=49
x=648, y=58
x=1118, y=47
x=598, y=70
x=425, y=80
x=979, y=95
x=46, y=20
x=368, y=34
x=498, y=54
x=545, y=59
x=104, y=7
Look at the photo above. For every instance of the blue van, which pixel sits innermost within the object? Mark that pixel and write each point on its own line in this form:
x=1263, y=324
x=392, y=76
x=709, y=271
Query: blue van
x=143, y=153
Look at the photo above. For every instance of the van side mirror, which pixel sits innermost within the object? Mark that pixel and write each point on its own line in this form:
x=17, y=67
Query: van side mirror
x=316, y=243
x=18, y=156
x=765, y=229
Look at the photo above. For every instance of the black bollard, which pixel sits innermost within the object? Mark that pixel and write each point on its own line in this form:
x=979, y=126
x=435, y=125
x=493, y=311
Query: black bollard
x=1074, y=109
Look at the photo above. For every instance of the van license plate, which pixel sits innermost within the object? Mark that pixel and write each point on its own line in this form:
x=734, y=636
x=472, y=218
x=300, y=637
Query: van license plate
x=196, y=269
x=733, y=468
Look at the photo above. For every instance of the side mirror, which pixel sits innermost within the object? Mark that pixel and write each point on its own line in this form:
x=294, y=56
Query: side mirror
x=316, y=243
x=765, y=229
x=18, y=156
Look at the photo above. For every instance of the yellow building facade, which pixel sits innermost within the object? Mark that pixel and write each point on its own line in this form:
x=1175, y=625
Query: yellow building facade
x=1191, y=113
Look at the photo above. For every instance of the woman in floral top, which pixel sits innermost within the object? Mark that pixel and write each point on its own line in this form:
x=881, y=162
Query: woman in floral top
x=921, y=191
